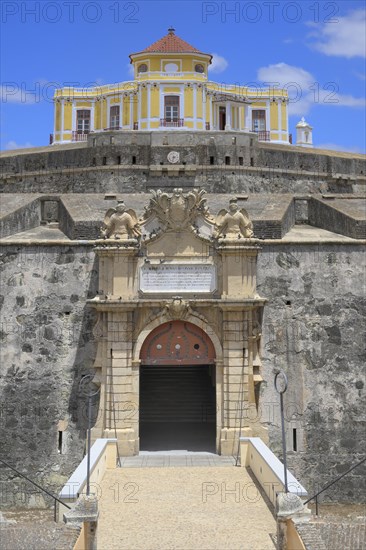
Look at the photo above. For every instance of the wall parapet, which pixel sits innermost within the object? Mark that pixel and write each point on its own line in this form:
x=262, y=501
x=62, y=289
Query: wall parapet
x=103, y=456
x=268, y=469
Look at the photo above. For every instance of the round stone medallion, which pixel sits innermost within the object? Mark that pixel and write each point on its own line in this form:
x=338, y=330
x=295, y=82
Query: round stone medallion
x=173, y=157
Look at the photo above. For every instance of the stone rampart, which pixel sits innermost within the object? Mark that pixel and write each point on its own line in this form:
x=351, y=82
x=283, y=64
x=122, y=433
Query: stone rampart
x=218, y=161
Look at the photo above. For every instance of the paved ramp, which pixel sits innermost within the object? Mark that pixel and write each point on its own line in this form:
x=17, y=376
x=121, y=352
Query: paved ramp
x=183, y=508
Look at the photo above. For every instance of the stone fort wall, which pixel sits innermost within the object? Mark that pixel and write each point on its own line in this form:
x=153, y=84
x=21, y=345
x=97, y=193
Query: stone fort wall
x=312, y=327
x=219, y=162
x=313, y=320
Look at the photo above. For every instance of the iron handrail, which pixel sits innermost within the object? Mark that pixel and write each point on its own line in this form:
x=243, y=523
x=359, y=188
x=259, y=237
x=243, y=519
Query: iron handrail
x=38, y=487
x=330, y=484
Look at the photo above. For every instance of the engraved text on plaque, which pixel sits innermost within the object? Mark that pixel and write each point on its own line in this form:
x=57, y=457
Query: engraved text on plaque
x=178, y=278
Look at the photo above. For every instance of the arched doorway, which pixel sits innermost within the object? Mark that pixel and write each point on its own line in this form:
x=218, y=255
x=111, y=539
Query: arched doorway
x=177, y=389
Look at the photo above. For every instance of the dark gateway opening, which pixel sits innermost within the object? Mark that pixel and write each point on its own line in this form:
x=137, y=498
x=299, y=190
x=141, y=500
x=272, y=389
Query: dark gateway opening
x=177, y=408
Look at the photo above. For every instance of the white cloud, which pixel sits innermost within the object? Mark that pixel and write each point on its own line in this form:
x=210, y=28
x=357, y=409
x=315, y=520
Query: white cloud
x=304, y=89
x=295, y=79
x=14, y=145
x=345, y=37
x=130, y=70
x=350, y=101
x=219, y=64
x=284, y=74
x=361, y=76
x=336, y=147
x=11, y=92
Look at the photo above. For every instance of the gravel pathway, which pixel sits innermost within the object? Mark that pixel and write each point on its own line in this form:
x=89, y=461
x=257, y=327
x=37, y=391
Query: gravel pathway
x=183, y=508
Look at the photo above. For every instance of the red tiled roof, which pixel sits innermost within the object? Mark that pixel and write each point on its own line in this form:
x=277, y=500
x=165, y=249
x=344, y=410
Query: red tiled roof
x=171, y=43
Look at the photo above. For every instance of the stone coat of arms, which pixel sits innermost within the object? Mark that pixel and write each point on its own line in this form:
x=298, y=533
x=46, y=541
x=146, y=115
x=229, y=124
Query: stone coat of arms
x=177, y=211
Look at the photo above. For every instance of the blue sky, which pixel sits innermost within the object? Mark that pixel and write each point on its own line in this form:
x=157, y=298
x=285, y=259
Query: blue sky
x=319, y=46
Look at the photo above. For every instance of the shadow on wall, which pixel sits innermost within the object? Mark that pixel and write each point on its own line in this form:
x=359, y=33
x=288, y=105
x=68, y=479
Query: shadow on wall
x=82, y=369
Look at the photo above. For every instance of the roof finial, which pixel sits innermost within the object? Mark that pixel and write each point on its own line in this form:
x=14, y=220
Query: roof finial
x=171, y=30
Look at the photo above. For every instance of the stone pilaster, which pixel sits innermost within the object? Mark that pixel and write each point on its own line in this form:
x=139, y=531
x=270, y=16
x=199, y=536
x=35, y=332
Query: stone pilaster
x=239, y=269
x=118, y=410
x=236, y=386
x=121, y=391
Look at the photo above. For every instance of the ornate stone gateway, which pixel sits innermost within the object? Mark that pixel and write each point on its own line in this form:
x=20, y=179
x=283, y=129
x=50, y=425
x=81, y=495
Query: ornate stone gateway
x=178, y=287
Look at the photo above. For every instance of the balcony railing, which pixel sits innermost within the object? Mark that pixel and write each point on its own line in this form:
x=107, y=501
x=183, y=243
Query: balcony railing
x=78, y=136
x=178, y=123
x=263, y=135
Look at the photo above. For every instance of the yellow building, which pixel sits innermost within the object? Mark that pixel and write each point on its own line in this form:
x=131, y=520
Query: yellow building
x=171, y=90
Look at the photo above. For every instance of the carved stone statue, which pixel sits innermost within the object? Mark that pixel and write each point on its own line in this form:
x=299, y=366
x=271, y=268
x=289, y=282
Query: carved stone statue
x=233, y=224
x=120, y=223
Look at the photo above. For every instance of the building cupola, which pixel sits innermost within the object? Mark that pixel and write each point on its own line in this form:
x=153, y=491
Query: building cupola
x=170, y=55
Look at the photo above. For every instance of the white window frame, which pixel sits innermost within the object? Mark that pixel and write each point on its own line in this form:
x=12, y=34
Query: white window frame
x=114, y=120
x=173, y=107
x=84, y=128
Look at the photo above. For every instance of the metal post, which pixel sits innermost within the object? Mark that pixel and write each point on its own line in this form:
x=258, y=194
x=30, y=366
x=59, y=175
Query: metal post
x=90, y=396
x=281, y=391
x=89, y=444
x=283, y=443
x=87, y=378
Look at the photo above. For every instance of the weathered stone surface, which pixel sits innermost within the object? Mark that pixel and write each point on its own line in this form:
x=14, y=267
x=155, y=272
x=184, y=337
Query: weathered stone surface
x=36, y=530
x=314, y=329
x=101, y=166
x=47, y=347
x=81, y=215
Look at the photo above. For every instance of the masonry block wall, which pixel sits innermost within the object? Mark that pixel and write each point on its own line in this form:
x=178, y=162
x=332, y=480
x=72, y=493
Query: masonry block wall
x=313, y=325
x=128, y=162
x=47, y=347
x=313, y=328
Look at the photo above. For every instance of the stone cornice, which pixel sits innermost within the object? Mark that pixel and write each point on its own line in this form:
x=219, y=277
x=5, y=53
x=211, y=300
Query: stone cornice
x=227, y=304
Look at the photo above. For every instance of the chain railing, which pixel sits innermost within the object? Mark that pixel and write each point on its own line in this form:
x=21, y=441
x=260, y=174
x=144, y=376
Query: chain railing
x=56, y=499
x=330, y=484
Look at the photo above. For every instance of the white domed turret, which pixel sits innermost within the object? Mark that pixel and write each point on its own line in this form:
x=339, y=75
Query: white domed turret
x=304, y=134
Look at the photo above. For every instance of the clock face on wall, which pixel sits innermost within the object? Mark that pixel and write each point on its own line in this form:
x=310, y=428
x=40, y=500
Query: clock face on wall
x=173, y=157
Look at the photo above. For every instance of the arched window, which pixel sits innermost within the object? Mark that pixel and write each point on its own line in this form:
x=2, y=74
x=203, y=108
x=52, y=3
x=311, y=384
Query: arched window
x=142, y=68
x=199, y=68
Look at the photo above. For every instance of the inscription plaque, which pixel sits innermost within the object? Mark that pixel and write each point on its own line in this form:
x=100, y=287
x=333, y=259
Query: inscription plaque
x=178, y=278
